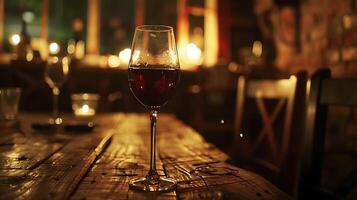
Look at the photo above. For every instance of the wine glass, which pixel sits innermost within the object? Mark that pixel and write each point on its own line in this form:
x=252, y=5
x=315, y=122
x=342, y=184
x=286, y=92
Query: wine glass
x=153, y=74
x=56, y=72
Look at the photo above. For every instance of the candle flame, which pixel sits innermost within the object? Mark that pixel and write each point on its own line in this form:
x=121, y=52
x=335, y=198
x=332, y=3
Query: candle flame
x=85, y=108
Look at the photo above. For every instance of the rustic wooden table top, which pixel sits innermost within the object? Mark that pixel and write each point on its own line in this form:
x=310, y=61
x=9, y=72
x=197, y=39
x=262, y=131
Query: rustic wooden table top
x=99, y=164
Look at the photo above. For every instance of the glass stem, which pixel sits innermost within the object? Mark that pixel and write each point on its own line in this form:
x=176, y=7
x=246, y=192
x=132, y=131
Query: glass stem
x=153, y=176
x=56, y=93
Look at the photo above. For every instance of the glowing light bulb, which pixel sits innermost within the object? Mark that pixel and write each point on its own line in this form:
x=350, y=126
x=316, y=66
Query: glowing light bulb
x=124, y=56
x=257, y=48
x=113, y=61
x=54, y=48
x=193, y=53
x=15, y=39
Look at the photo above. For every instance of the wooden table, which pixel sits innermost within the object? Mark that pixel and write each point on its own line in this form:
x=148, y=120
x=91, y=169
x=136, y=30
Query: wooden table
x=99, y=164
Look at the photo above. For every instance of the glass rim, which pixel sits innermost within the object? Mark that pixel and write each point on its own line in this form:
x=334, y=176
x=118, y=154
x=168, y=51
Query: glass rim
x=85, y=96
x=155, y=28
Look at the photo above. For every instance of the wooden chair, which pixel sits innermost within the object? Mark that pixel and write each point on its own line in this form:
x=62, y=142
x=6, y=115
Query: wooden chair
x=324, y=91
x=261, y=144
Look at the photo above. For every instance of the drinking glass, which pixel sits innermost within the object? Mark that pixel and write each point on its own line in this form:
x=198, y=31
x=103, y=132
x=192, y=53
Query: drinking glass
x=9, y=103
x=56, y=72
x=153, y=74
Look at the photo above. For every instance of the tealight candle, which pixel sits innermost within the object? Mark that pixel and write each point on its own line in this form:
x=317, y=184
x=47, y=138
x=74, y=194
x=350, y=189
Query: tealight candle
x=85, y=110
x=84, y=104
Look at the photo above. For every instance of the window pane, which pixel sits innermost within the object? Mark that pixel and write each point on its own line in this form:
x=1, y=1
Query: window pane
x=117, y=26
x=15, y=12
x=67, y=20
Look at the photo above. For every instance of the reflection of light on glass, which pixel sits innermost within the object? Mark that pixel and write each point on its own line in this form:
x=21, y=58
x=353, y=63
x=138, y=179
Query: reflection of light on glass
x=173, y=57
x=257, y=48
x=222, y=121
x=135, y=56
x=241, y=135
x=113, y=61
x=124, y=56
x=193, y=53
x=15, y=39
x=54, y=48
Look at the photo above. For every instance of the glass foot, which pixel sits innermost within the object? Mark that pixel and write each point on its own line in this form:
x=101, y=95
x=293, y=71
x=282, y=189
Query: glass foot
x=165, y=184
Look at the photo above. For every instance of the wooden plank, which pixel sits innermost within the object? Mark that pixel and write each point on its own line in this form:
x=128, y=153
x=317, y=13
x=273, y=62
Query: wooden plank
x=81, y=169
x=18, y=151
x=89, y=162
x=57, y=176
x=200, y=168
x=126, y=157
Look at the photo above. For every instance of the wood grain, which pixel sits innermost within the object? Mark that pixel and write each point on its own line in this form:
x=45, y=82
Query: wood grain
x=200, y=168
x=99, y=164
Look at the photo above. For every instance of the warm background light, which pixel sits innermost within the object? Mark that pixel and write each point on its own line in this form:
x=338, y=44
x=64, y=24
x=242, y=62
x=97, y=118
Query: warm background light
x=54, y=48
x=124, y=56
x=257, y=48
x=65, y=63
x=190, y=57
x=28, y=16
x=193, y=53
x=29, y=56
x=113, y=61
x=71, y=48
x=15, y=39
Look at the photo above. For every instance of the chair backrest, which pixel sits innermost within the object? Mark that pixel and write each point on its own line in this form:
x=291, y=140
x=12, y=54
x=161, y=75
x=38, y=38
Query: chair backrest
x=273, y=150
x=324, y=91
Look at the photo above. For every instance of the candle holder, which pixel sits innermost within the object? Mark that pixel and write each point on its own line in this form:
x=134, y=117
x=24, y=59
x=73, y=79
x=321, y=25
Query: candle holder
x=84, y=104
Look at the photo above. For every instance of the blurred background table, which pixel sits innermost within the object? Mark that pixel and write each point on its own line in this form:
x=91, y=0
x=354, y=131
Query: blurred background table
x=100, y=163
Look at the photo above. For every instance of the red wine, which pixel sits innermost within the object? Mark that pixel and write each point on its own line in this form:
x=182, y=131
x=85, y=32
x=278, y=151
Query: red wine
x=153, y=85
